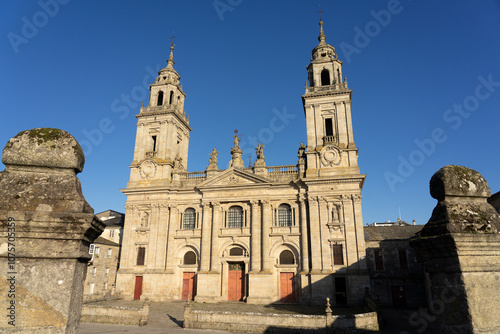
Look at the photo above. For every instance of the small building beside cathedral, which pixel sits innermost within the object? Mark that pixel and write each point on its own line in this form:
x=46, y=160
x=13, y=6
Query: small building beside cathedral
x=260, y=234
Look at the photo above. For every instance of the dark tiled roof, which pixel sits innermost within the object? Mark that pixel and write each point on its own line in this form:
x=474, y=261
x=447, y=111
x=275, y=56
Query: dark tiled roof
x=103, y=241
x=373, y=233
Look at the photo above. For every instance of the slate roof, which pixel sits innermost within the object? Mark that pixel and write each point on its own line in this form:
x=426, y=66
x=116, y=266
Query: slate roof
x=117, y=220
x=114, y=222
x=374, y=233
x=103, y=241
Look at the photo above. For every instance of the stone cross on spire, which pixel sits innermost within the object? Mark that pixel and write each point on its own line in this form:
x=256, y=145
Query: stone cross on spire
x=319, y=12
x=170, y=60
x=172, y=38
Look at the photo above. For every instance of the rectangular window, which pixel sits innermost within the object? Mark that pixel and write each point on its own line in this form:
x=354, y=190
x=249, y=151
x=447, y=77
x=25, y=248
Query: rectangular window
x=154, y=143
x=92, y=285
x=379, y=260
x=338, y=255
x=328, y=127
x=107, y=272
x=94, y=271
x=96, y=252
x=105, y=286
x=109, y=253
x=189, y=219
x=235, y=217
x=141, y=254
x=403, y=260
x=111, y=233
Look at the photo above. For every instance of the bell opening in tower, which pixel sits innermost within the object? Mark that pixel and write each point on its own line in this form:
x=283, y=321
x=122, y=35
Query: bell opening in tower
x=160, y=99
x=325, y=77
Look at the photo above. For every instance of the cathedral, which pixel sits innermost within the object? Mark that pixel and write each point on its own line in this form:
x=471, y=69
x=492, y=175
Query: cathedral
x=260, y=234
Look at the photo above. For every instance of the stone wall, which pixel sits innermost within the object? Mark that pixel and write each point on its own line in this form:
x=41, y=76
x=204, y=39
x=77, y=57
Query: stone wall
x=278, y=323
x=115, y=315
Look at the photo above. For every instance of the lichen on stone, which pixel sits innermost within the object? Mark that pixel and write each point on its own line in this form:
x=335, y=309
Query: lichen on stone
x=44, y=147
x=462, y=207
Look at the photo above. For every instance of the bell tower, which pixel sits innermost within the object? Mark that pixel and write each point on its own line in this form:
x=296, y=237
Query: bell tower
x=162, y=138
x=327, y=108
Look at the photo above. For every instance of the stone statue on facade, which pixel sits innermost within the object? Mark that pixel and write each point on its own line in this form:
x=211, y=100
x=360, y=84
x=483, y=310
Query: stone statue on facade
x=213, y=156
x=178, y=166
x=260, y=156
x=212, y=163
x=300, y=153
x=236, y=152
x=144, y=219
x=236, y=141
x=260, y=151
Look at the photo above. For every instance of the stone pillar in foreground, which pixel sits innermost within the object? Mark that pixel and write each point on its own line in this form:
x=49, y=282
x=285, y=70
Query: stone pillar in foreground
x=460, y=250
x=46, y=227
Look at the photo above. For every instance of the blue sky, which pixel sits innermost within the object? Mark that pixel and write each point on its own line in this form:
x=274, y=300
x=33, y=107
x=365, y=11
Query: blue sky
x=425, y=77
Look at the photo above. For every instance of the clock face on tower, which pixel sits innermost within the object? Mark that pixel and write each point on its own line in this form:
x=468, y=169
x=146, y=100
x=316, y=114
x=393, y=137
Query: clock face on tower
x=147, y=169
x=330, y=156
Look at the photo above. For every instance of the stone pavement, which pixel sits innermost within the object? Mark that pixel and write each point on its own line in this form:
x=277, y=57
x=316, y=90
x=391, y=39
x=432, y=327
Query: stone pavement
x=167, y=317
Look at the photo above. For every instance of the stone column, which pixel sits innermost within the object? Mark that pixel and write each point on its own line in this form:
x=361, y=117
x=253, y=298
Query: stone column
x=205, y=238
x=161, y=248
x=255, y=238
x=46, y=229
x=322, y=228
x=172, y=228
x=127, y=241
x=153, y=236
x=304, y=245
x=215, y=263
x=315, y=234
x=266, y=227
x=460, y=249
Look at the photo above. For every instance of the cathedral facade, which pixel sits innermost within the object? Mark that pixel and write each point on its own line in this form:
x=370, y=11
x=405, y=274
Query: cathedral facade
x=261, y=234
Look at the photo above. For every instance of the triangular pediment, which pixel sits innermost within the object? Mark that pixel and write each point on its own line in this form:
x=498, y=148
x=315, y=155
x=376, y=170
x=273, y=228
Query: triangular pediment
x=233, y=177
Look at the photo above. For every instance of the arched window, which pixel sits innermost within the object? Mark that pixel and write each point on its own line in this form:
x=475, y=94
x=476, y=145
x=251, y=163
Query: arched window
x=286, y=257
x=171, y=97
x=284, y=215
x=160, y=98
x=325, y=77
x=236, y=251
x=339, y=79
x=190, y=258
x=178, y=99
x=189, y=219
x=235, y=217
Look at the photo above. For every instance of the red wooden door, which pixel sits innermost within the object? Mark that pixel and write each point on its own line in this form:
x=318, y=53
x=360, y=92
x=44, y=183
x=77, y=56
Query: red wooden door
x=236, y=282
x=398, y=296
x=287, y=287
x=138, y=287
x=188, y=286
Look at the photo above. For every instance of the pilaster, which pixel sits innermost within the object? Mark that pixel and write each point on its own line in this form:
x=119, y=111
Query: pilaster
x=266, y=226
x=304, y=236
x=315, y=234
x=205, y=238
x=215, y=262
x=255, y=256
x=161, y=246
x=172, y=227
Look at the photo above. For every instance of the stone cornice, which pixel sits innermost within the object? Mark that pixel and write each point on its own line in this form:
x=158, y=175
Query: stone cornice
x=166, y=112
x=337, y=179
x=328, y=93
